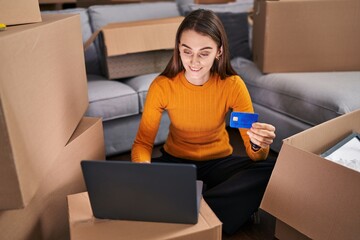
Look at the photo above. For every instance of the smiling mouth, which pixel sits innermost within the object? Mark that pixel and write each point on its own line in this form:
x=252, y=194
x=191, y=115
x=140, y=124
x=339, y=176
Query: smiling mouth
x=195, y=69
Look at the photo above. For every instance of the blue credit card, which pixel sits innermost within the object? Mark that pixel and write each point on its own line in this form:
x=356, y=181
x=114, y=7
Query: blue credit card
x=243, y=119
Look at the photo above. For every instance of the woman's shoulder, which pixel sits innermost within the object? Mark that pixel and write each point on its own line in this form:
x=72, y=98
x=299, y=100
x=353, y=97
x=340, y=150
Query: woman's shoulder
x=161, y=79
x=234, y=79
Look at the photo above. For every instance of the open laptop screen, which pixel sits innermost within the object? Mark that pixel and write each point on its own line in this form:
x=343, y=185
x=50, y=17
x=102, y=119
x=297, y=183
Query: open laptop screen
x=159, y=192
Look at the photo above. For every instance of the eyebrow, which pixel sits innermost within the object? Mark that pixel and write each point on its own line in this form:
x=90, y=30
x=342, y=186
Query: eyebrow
x=191, y=48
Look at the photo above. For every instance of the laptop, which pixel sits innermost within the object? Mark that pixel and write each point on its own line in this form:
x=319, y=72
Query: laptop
x=155, y=192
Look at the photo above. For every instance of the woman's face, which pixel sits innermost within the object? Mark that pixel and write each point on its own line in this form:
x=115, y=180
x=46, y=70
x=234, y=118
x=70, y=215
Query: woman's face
x=197, y=53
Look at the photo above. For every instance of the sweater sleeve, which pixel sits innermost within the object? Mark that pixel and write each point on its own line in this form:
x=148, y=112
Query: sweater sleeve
x=149, y=124
x=241, y=102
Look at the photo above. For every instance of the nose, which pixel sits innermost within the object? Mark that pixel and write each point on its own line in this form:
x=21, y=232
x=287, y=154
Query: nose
x=195, y=59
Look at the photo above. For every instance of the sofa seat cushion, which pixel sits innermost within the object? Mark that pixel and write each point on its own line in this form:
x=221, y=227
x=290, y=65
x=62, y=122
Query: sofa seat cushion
x=310, y=97
x=141, y=85
x=111, y=99
x=237, y=6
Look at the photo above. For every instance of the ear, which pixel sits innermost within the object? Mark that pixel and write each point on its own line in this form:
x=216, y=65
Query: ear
x=220, y=51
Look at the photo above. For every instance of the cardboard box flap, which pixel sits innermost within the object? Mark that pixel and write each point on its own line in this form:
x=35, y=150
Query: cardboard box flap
x=316, y=140
x=140, y=36
x=317, y=197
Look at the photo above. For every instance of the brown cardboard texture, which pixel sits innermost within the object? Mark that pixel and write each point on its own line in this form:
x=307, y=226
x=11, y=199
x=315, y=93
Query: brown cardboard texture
x=83, y=225
x=140, y=36
x=305, y=36
x=317, y=197
x=19, y=12
x=140, y=47
x=135, y=64
x=43, y=96
x=45, y=217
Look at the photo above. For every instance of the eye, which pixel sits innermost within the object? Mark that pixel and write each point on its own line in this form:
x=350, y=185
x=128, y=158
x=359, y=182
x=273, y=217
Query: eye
x=187, y=52
x=204, y=54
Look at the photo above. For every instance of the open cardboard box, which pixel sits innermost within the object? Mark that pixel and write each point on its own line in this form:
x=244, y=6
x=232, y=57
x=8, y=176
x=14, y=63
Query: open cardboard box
x=83, y=225
x=317, y=197
x=306, y=35
x=139, y=47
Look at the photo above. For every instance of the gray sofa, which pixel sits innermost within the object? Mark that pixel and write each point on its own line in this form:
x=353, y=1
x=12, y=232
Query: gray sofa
x=291, y=101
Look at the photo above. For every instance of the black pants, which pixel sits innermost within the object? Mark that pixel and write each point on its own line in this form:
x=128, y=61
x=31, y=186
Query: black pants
x=233, y=186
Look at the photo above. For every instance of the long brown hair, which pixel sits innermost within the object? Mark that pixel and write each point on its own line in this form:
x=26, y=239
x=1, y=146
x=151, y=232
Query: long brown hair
x=204, y=22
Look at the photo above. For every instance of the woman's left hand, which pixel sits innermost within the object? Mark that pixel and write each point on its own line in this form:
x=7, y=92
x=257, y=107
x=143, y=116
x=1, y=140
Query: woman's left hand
x=261, y=134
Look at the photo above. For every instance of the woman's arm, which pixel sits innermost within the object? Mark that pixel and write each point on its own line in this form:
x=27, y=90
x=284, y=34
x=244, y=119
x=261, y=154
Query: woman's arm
x=149, y=125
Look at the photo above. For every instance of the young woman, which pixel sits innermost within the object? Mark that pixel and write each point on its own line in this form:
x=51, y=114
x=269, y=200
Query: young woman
x=197, y=89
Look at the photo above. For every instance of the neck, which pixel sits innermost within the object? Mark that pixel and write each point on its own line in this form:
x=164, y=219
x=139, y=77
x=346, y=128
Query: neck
x=197, y=81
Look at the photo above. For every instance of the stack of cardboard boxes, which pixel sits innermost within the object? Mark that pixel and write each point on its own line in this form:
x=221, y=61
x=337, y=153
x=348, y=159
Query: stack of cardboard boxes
x=43, y=132
x=311, y=197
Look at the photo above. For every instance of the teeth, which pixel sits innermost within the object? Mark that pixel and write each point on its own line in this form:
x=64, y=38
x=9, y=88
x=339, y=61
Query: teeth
x=195, y=69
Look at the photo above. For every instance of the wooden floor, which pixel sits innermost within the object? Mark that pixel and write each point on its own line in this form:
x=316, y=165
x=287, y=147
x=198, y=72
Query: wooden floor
x=264, y=230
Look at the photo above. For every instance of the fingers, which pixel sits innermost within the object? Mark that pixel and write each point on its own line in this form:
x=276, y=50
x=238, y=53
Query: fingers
x=262, y=134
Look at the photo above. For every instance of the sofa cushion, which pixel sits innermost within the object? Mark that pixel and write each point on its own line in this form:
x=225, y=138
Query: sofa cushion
x=91, y=57
x=101, y=15
x=310, y=97
x=237, y=31
x=141, y=85
x=110, y=99
x=238, y=6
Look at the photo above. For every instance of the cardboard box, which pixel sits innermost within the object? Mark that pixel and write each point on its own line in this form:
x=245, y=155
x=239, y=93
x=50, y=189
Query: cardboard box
x=141, y=47
x=19, y=12
x=45, y=217
x=315, y=196
x=306, y=36
x=43, y=96
x=83, y=225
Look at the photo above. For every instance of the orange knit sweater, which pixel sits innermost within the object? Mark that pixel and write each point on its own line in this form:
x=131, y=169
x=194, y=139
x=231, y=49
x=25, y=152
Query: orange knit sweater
x=197, y=114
